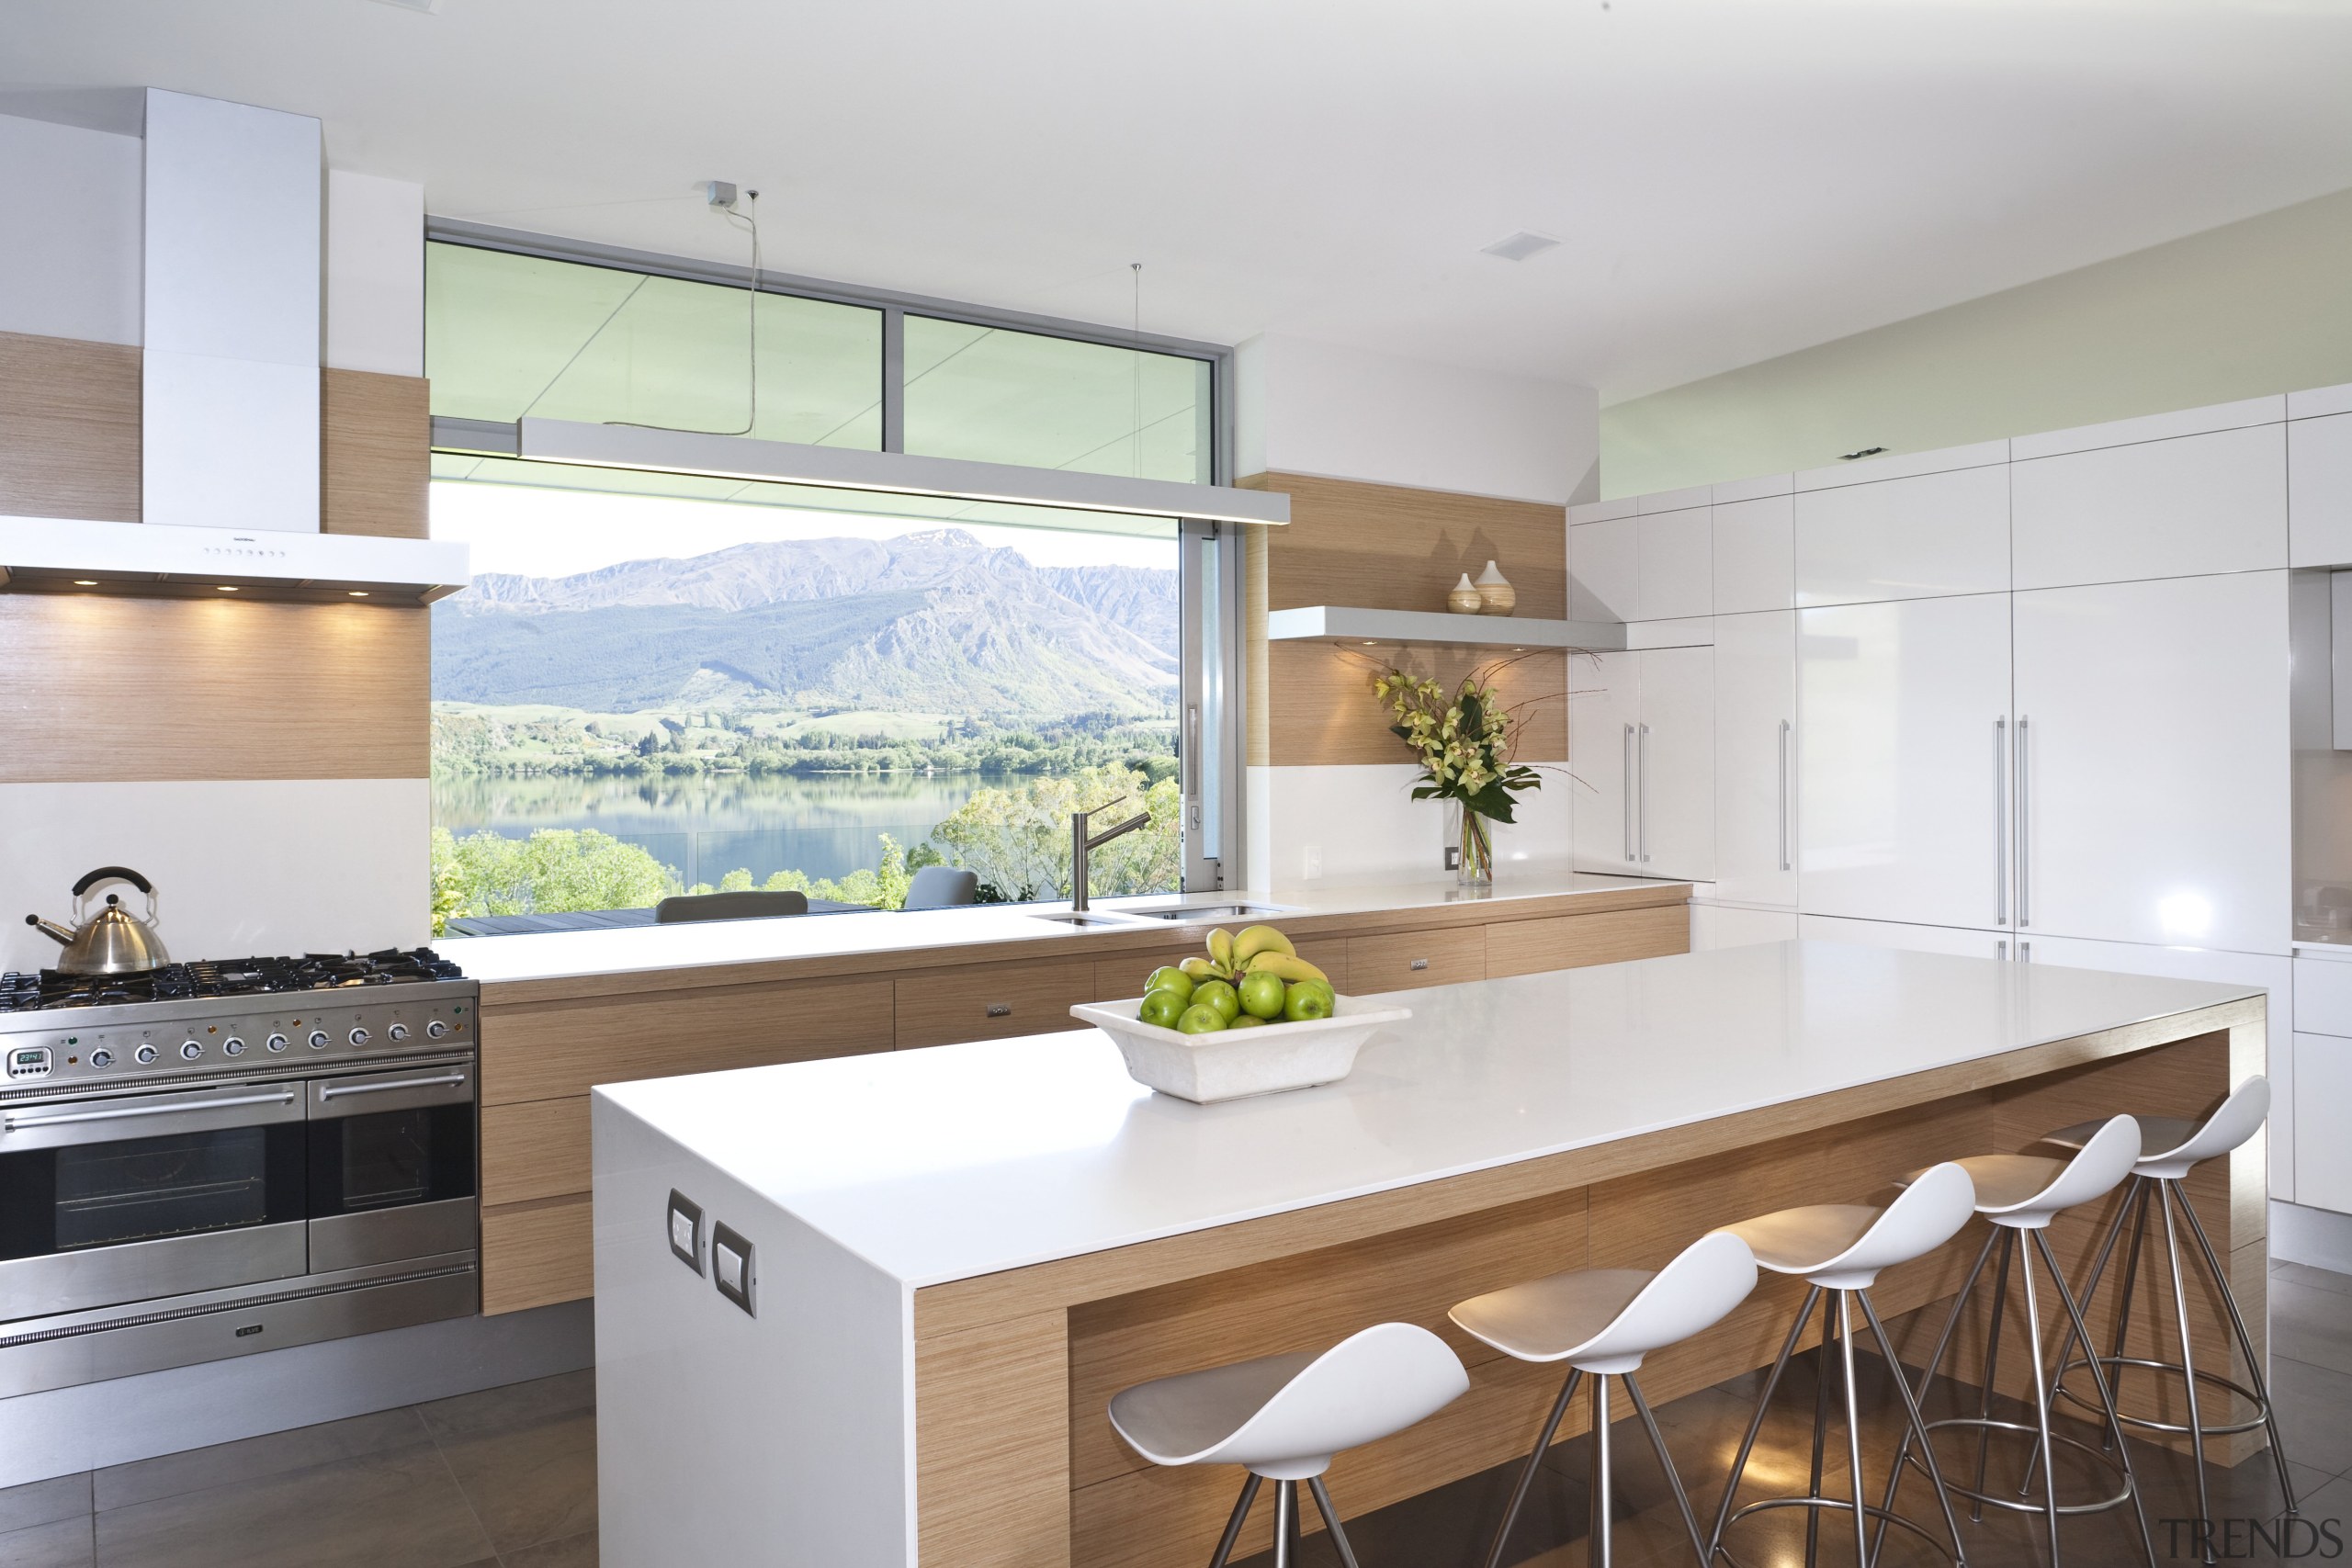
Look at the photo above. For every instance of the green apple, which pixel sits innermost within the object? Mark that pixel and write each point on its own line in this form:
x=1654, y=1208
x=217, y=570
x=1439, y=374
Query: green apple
x=1248, y=1021
x=1262, y=995
x=1167, y=977
x=1220, y=996
x=1306, y=1001
x=1163, y=1007
x=1201, y=1019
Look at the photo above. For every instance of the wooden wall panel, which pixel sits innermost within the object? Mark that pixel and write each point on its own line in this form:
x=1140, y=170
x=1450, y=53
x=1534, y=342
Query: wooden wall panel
x=941, y=1006
x=1321, y=710
x=69, y=428
x=537, y=1254
x=991, y=1455
x=375, y=453
x=537, y=1149
x=212, y=689
x=1385, y=963
x=1572, y=941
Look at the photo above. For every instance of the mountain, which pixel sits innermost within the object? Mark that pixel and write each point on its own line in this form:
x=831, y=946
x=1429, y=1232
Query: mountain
x=931, y=622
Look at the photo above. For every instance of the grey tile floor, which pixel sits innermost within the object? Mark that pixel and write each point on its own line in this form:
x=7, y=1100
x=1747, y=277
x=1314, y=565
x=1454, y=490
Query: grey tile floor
x=507, y=1478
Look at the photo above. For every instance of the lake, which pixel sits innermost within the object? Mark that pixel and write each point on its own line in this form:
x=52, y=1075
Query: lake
x=703, y=827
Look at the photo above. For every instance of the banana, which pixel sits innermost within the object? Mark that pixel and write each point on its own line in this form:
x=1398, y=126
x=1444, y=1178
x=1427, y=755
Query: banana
x=1221, y=947
x=1286, y=966
x=1200, y=969
x=1256, y=939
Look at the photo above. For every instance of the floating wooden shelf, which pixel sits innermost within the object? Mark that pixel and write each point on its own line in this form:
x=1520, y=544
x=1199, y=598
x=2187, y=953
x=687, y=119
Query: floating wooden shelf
x=1346, y=624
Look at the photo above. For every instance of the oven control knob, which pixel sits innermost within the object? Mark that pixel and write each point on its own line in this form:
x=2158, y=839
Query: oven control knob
x=275, y=1042
x=435, y=1030
x=145, y=1053
x=358, y=1035
x=397, y=1033
x=190, y=1050
x=102, y=1057
x=318, y=1040
x=233, y=1046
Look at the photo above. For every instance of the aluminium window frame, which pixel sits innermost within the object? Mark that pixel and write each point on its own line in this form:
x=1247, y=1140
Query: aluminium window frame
x=1213, y=678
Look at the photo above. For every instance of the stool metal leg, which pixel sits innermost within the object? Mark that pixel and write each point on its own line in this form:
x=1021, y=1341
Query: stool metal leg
x=1598, y=1553
x=1853, y=1428
x=1534, y=1462
x=1991, y=1366
x=1286, y=1524
x=1917, y=1428
x=2187, y=1362
x=1665, y=1462
x=1820, y=1433
x=1756, y=1422
x=2040, y=1407
x=1331, y=1522
x=1240, y=1517
x=2106, y=1399
x=1927, y=1380
x=2245, y=1342
x=2130, y=1278
x=2133, y=1206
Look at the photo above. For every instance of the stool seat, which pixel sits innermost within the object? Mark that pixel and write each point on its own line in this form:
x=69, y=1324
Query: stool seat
x=1551, y=1318
x=1798, y=1241
x=2158, y=1135
x=2004, y=1182
x=1169, y=1420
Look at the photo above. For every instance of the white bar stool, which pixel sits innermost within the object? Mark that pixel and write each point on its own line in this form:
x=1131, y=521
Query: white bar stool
x=1842, y=1248
x=2021, y=1194
x=2170, y=1147
x=1602, y=1322
x=1285, y=1417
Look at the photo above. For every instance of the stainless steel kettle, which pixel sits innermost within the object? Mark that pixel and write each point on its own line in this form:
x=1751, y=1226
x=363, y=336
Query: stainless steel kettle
x=113, y=940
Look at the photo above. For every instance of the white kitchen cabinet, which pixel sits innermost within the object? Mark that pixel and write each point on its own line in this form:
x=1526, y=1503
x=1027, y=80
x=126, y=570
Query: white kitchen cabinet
x=1902, y=734
x=2274, y=975
x=2319, y=491
x=1960, y=942
x=2323, y=1094
x=1755, y=546
x=1676, y=575
x=1756, y=712
x=2152, y=787
x=1641, y=740
x=1920, y=536
x=1604, y=569
x=2187, y=507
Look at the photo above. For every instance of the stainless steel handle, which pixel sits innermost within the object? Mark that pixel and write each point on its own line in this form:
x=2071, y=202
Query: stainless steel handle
x=1628, y=764
x=1642, y=772
x=1192, y=760
x=2001, y=822
x=1418, y=964
x=12, y=1123
x=2024, y=829
x=2025, y=953
x=997, y=1009
x=336, y=1090
x=1784, y=795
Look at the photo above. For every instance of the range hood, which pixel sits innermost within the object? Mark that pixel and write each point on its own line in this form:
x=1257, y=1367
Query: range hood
x=57, y=555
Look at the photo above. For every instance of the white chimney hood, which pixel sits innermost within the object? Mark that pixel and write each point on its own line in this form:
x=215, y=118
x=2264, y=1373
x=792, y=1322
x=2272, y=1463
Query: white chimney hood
x=57, y=555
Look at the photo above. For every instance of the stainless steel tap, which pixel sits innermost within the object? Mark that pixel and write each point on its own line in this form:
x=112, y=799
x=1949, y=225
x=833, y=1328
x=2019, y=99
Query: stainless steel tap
x=1081, y=845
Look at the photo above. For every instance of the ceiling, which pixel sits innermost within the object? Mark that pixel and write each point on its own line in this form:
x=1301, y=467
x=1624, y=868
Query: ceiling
x=1733, y=179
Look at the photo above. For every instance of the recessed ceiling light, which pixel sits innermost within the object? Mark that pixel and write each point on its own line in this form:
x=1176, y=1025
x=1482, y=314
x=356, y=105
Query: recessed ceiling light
x=222, y=588
x=1520, y=245
x=86, y=582
x=358, y=593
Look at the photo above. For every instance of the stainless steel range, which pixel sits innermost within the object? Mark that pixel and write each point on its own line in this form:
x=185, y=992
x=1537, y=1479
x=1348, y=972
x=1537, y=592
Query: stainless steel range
x=212, y=1159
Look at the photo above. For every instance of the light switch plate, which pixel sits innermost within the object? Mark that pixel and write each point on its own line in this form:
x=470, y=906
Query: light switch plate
x=733, y=1267
x=685, y=1230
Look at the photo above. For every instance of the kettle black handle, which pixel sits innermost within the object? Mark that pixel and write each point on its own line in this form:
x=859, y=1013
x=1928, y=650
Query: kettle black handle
x=105, y=872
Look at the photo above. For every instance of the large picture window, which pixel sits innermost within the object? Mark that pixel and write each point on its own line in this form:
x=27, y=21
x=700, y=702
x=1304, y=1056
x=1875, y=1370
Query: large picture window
x=663, y=684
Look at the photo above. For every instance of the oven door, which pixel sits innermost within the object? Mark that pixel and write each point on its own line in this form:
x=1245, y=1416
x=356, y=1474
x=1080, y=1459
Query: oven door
x=392, y=1165
x=110, y=1201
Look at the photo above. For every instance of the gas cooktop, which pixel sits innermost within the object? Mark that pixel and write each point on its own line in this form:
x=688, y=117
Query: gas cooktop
x=225, y=977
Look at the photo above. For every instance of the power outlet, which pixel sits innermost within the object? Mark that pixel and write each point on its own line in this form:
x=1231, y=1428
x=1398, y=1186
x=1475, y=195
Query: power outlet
x=1311, y=862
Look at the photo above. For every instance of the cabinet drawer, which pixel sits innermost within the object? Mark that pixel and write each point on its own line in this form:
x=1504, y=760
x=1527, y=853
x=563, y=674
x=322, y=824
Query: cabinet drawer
x=2323, y=997
x=1571, y=941
x=533, y=1254
x=2323, y=1107
x=536, y=1149
x=988, y=1001
x=548, y=1050
x=1416, y=958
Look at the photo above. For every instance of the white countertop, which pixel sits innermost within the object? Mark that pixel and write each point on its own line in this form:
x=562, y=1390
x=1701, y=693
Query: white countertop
x=959, y=1160
x=564, y=954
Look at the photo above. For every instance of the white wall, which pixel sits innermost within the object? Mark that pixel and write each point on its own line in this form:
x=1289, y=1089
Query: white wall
x=1343, y=822
x=375, y=273
x=1303, y=407
x=69, y=231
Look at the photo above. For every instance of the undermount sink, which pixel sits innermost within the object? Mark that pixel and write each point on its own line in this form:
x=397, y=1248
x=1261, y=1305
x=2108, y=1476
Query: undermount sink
x=1090, y=917
x=1212, y=913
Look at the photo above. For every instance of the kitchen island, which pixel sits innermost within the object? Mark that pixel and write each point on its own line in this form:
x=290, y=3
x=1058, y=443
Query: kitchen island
x=956, y=1256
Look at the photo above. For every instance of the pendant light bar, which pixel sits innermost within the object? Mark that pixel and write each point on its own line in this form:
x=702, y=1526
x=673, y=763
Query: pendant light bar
x=889, y=473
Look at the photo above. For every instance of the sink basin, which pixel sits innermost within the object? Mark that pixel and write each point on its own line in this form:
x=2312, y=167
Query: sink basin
x=1212, y=913
x=1091, y=918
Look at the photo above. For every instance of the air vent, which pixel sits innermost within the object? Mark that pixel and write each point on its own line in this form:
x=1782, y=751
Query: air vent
x=1520, y=246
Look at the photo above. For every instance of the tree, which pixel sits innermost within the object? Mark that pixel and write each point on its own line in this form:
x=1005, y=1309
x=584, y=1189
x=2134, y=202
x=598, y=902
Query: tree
x=555, y=871
x=1018, y=840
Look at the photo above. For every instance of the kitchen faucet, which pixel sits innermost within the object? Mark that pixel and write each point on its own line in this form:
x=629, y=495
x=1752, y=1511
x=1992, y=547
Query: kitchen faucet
x=1081, y=845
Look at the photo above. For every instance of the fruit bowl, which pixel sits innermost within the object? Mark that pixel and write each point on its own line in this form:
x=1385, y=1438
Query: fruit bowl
x=1235, y=1063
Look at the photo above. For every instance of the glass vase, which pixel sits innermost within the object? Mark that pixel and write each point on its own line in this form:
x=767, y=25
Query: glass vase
x=1473, y=838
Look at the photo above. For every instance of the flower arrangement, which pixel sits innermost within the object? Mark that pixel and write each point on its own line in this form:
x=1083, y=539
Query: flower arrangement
x=1463, y=741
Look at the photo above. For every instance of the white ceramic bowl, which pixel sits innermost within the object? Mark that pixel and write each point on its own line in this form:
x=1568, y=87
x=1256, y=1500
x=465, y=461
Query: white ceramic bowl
x=1235, y=1063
